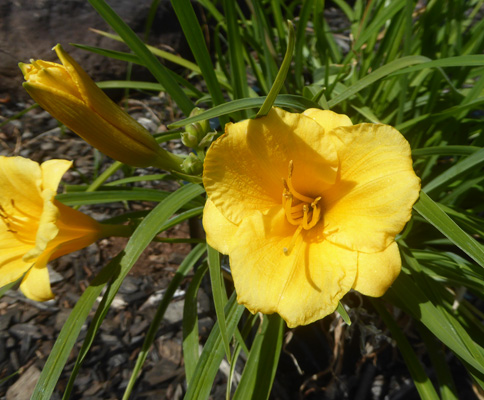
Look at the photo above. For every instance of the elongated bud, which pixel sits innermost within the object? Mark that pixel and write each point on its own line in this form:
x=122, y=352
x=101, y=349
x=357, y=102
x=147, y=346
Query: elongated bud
x=68, y=93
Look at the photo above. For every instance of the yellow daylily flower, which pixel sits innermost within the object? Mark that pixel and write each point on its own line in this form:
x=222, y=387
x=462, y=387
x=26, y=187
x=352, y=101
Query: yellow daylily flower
x=36, y=228
x=307, y=206
x=68, y=93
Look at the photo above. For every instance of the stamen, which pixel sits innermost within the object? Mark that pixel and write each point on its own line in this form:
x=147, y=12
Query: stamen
x=287, y=250
x=6, y=219
x=315, y=218
x=287, y=203
x=316, y=213
x=291, y=188
x=20, y=211
x=305, y=216
x=300, y=210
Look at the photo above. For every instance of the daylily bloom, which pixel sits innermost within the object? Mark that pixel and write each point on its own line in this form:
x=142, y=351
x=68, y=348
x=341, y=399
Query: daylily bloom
x=68, y=93
x=36, y=228
x=307, y=206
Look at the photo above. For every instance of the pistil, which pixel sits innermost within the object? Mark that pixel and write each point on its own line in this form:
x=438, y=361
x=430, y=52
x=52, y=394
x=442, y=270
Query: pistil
x=300, y=210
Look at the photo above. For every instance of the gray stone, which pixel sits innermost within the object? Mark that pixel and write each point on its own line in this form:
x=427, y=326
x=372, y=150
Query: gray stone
x=22, y=330
x=174, y=312
x=23, y=388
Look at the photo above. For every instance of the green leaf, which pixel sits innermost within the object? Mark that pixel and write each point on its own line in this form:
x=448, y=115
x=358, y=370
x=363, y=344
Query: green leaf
x=459, y=61
x=190, y=324
x=213, y=353
x=431, y=211
x=375, y=76
x=112, y=196
x=158, y=52
x=139, y=48
x=420, y=379
x=140, y=178
x=377, y=22
x=342, y=311
x=469, y=164
x=457, y=110
x=194, y=36
x=410, y=297
x=260, y=369
x=236, y=52
x=301, y=40
x=445, y=151
x=281, y=75
x=70, y=331
x=136, y=85
x=283, y=100
x=8, y=286
x=437, y=356
x=219, y=294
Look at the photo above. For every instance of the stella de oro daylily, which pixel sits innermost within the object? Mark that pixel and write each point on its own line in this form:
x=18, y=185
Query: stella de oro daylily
x=307, y=206
x=36, y=228
x=68, y=93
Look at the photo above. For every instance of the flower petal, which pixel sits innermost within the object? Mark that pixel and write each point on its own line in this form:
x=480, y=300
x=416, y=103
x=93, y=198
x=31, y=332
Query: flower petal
x=220, y=231
x=95, y=129
x=47, y=229
x=328, y=119
x=12, y=266
x=36, y=283
x=376, y=188
x=377, y=271
x=50, y=74
x=76, y=231
x=52, y=173
x=302, y=286
x=248, y=163
x=21, y=183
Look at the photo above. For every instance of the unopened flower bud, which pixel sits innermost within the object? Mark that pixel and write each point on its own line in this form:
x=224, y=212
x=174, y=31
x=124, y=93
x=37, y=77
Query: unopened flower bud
x=189, y=139
x=195, y=132
x=68, y=93
x=192, y=165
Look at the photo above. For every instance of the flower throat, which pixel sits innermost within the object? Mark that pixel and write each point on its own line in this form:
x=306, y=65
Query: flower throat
x=300, y=210
x=15, y=220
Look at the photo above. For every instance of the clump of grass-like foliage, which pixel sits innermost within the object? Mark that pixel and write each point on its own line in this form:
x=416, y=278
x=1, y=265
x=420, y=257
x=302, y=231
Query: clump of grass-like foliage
x=420, y=69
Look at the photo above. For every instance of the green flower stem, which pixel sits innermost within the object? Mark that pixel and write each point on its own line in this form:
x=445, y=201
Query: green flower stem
x=108, y=230
x=281, y=75
x=169, y=161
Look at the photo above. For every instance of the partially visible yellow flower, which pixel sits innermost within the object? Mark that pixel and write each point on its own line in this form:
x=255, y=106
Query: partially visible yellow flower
x=36, y=228
x=68, y=93
x=307, y=206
